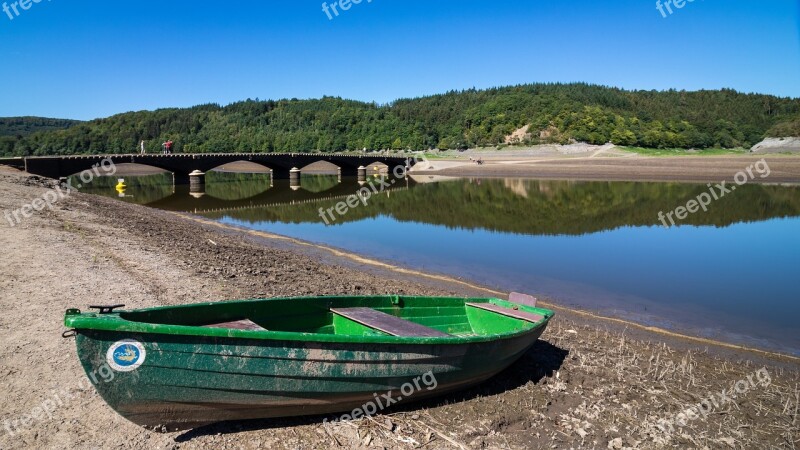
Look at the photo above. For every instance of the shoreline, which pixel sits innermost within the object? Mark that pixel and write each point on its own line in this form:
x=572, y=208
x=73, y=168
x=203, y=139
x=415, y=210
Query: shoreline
x=477, y=287
x=93, y=248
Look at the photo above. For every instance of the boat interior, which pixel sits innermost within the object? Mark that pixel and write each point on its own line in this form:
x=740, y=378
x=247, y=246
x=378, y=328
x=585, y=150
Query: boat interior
x=355, y=316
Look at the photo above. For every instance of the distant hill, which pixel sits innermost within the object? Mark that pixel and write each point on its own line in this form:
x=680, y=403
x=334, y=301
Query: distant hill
x=24, y=126
x=525, y=114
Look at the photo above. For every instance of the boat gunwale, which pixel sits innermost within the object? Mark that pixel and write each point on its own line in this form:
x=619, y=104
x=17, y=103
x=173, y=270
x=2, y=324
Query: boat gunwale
x=113, y=322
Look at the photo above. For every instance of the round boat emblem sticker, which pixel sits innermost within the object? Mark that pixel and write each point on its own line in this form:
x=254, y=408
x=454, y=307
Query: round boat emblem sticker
x=126, y=355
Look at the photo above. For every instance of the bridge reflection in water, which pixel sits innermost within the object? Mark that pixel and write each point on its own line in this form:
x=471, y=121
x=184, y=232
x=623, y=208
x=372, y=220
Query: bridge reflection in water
x=506, y=205
x=230, y=192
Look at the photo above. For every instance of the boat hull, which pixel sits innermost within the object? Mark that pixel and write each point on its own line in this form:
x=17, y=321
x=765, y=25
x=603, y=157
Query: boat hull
x=190, y=381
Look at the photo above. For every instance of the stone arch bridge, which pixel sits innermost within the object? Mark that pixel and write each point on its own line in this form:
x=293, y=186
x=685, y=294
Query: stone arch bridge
x=283, y=165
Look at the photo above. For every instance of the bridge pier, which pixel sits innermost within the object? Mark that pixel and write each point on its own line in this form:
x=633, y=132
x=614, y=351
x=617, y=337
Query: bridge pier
x=294, y=174
x=362, y=174
x=294, y=178
x=197, y=181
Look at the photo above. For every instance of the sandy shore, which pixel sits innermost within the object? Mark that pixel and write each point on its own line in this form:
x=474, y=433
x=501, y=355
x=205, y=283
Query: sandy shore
x=783, y=168
x=589, y=383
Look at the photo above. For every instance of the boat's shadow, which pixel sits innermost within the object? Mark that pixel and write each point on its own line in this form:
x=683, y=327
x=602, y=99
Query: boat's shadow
x=542, y=360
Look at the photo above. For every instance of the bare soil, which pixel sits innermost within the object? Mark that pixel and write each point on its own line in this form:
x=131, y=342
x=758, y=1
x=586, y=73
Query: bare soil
x=783, y=169
x=586, y=384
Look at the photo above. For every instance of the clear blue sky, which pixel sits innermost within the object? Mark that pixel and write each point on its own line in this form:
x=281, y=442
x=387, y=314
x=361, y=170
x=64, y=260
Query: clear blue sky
x=95, y=58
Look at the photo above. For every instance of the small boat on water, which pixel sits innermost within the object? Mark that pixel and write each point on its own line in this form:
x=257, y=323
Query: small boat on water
x=181, y=367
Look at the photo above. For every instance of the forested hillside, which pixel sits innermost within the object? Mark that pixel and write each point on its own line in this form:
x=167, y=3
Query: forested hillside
x=786, y=129
x=554, y=113
x=23, y=126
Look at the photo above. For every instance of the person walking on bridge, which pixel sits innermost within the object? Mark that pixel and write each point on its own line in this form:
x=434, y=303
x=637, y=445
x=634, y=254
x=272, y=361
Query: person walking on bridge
x=141, y=146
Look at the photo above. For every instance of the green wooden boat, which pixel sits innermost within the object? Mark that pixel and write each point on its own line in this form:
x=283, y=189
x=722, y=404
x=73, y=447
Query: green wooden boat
x=180, y=367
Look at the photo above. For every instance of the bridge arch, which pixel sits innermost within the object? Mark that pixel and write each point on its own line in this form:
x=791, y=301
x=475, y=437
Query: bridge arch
x=242, y=166
x=320, y=168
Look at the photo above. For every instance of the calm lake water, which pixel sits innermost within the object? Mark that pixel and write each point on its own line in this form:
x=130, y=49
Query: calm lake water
x=729, y=273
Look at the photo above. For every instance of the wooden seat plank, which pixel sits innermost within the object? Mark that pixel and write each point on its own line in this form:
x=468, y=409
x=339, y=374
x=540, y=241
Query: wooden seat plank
x=387, y=323
x=244, y=324
x=513, y=313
